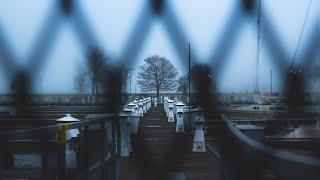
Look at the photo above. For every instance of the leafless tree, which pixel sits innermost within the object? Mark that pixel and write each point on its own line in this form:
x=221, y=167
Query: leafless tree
x=158, y=73
x=80, y=80
x=95, y=65
x=183, y=84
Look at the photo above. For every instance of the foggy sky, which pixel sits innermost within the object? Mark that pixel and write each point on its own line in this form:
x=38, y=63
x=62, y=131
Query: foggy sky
x=112, y=21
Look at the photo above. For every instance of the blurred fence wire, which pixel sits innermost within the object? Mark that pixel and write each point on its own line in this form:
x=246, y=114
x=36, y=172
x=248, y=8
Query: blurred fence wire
x=22, y=79
x=72, y=12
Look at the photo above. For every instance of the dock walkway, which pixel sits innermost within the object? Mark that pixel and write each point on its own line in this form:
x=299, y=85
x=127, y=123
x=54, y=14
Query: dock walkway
x=160, y=153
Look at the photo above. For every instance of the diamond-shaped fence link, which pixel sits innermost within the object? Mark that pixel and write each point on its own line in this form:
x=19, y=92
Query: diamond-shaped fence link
x=21, y=79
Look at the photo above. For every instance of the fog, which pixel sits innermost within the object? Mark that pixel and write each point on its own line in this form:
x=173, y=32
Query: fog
x=112, y=22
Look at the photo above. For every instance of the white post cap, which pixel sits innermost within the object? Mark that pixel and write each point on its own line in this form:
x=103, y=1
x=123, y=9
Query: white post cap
x=68, y=118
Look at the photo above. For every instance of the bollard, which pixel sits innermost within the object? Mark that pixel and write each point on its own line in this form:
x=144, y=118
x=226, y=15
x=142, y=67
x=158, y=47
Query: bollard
x=169, y=108
x=68, y=137
x=133, y=118
x=198, y=124
x=165, y=106
x=168, y=103
x=136, y=108
x=149, y=103
x=170, y=113
x=125, y=135
x=144, y=102
x=140, y=106
x=179, y=117
x=155, y=102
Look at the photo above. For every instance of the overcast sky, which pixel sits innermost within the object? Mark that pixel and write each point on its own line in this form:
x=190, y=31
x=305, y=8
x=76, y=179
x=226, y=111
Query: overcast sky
x=112, y=22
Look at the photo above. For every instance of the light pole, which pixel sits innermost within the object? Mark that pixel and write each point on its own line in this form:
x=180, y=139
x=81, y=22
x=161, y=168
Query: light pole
x=41, y=83
x=130, y=76
x=135, y=86
x=271, y=83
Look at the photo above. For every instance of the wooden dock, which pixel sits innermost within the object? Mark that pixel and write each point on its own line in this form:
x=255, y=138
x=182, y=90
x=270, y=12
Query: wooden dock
x=160, y=153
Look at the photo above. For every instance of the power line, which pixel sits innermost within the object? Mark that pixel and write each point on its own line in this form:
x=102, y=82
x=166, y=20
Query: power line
x=301, y=33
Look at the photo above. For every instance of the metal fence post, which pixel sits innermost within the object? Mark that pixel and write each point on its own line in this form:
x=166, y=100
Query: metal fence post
x=116, y=149
x=61, y=161
x=103, y=148
x=44, y=156
x=86, y=152
x=3, y=144
x=118, y=154
x=113, y=149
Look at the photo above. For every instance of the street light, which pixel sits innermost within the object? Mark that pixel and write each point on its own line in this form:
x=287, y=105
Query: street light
x=41, y=83
x=135, y=85
x=210, y=76
x=130, y=76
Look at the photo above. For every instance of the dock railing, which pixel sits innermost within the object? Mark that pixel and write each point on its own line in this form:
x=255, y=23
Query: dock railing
x=98, y=154
x=246, y=158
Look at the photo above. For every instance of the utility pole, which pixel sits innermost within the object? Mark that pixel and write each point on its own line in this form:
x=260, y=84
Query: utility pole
x=189, y=79
x=271, y=82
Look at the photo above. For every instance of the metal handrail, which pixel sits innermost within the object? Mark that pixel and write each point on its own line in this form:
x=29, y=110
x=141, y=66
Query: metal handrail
x=53, y=128
x=283, y=163
x=84, y=169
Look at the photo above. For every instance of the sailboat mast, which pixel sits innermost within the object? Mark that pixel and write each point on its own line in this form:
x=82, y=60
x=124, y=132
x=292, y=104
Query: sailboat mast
x=258, y=49
x=271, y=83
x=189, y=86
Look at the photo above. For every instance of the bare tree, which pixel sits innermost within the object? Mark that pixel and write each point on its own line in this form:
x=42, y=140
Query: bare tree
x=95, y=65
x=158, y=73
x=80, y=80
x=183, y=84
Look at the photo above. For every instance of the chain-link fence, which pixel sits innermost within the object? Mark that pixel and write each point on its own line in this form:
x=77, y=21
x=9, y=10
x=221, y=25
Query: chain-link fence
x=294, y=75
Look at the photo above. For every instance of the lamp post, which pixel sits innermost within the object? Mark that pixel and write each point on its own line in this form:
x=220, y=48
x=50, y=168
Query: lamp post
x=130, y=76
x=41, y=83
x=135, y=88
x=41, y=88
